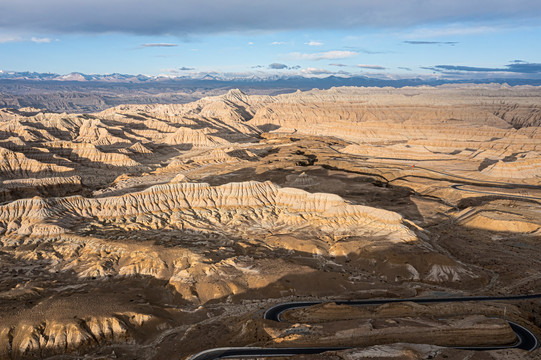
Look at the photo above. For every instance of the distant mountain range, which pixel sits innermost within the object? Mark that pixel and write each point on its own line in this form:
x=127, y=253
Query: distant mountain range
x=75, y=76
x=77, y=92
x=272, y=80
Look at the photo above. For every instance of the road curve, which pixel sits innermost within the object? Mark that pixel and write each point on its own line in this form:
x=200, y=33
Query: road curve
x=526, y=339
x=274, y=312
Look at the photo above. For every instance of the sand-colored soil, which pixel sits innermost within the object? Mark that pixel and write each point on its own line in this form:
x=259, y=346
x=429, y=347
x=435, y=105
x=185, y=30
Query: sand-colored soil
x=157, y=231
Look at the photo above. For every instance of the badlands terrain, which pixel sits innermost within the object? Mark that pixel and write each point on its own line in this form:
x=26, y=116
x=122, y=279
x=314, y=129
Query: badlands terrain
x=159, y=231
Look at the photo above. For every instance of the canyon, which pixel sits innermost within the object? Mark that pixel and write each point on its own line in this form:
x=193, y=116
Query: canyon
x=155, y=231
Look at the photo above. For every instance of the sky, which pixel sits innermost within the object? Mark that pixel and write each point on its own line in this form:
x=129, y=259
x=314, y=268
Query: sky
x=379, y=38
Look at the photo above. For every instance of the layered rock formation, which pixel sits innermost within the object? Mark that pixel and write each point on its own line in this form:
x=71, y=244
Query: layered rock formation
x=413, y=124
x=253, y=205
x=150, y=225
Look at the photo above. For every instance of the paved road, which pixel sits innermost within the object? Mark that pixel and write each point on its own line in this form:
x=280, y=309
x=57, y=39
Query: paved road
x=459, y=187
x=469, y=181
x=481, y=182
x=526, y=339
x=274, y=312
x=497, y=184
x=236, y=352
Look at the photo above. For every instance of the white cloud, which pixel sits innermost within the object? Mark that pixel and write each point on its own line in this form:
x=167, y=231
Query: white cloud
x=450, y=30
x=250, y=43
x=328, y=55
x=315, y=71
x=372, y=67
x=5, y=38
x=40, y=40
x=9, y=38
x=314, y=43
x=278, y=43
x=180, y=70
x=158, y=45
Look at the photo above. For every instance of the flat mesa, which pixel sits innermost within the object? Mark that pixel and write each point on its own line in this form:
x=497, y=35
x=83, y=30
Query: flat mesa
x=157, y=231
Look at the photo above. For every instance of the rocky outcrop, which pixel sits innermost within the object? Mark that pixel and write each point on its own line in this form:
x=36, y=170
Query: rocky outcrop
x=112, y=221
x=256, y=205
x=89, y=155
x=468, y=331
x=500, y=221
x=94, y=131
x=45, y=187
x=139, y=148
x=15, y=164
x=445, y=123
x=27, y=340
x=519, y=169
x=196, y=138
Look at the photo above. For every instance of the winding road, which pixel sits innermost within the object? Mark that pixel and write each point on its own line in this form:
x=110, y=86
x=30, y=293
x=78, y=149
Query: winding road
x=526, y=339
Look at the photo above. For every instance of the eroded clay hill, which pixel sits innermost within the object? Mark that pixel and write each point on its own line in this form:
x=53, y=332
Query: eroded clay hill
x=157, y=231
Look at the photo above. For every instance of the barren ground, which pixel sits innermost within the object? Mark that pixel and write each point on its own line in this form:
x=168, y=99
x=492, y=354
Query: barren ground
x=157, y=231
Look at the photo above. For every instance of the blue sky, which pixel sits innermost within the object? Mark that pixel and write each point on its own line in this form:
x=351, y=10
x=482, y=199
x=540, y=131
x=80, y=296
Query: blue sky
x=384, y=38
